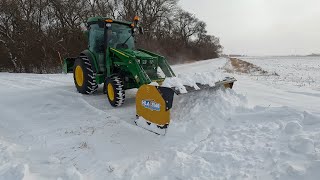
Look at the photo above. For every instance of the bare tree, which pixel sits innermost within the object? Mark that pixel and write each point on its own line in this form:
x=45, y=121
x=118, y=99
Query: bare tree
x=36, y=34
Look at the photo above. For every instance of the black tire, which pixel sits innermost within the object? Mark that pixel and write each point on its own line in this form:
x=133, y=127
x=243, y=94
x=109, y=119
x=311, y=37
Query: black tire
x=116, y=96
x=88, y=85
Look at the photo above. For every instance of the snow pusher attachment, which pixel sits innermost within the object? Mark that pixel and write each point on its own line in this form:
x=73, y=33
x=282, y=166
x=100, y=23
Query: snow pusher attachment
x=153, y=104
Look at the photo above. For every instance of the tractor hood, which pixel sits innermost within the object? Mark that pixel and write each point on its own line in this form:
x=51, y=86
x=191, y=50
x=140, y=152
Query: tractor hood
x=138, y=54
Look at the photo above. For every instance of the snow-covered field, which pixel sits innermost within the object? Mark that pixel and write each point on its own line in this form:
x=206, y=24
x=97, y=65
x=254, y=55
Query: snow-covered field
x=263, y=129
x=297, y=71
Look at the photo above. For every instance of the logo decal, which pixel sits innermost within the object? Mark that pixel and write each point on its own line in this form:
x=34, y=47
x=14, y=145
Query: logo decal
x=150, y=104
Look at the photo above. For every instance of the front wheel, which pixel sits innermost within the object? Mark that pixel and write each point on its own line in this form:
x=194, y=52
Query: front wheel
x=115, y=91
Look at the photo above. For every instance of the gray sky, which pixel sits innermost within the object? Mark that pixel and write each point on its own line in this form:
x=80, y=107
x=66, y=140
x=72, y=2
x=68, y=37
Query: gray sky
x=261, y=27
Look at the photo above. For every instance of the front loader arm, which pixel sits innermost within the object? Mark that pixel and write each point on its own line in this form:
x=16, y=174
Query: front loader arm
x=163, y=63
x=133, y=66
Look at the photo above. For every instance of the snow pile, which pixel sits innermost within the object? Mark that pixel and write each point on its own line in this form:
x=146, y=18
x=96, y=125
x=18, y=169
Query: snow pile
x=15, y=172
x=192, y=79
x=311, y=119
x=14, y=168
x=216, y=136
x=293, y=127
x=9, y=167
x=302, y=144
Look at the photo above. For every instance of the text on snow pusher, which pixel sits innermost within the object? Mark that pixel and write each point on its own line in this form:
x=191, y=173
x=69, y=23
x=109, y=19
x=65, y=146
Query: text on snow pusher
x=112, y=59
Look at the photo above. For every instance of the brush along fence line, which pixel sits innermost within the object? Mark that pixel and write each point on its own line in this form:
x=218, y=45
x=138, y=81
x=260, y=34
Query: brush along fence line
x=235, y=65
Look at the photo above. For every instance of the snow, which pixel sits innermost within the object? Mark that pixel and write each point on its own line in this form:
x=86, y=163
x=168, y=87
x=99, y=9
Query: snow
x=293, y=127
x=301, y=144
x=192, y=79
x=263, y=129
x=296, y=71
x=151, y=127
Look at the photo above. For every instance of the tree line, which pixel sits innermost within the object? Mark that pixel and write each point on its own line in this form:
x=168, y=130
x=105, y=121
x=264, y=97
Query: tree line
x=35, y=35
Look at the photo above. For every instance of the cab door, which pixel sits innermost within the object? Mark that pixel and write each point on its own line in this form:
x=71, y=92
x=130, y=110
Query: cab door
x=96, y=45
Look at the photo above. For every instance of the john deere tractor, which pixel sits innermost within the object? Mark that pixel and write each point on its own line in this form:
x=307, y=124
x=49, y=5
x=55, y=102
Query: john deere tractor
x=112, y=59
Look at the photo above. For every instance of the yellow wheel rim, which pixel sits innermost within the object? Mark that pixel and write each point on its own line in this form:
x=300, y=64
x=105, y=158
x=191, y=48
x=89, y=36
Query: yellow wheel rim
x=79, y=75
x=110, y=92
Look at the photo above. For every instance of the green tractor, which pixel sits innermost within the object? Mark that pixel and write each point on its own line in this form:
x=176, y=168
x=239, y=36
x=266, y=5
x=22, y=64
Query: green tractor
x=112, y=59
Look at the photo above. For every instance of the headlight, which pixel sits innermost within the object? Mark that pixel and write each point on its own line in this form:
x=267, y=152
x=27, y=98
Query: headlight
x=151, y=61
x=138, y=61
x=144, y=61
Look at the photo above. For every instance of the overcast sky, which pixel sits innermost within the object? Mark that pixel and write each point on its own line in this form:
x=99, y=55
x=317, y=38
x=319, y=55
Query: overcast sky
x=261, y=27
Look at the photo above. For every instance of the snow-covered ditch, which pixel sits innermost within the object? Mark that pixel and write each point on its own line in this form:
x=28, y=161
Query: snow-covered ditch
x=49, y=131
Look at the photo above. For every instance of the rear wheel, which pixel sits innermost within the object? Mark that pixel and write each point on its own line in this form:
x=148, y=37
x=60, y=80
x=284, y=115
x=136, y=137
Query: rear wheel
x=83, y=75
x=115, y=91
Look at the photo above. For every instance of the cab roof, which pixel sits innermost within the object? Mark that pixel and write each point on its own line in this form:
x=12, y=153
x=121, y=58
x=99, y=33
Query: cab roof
x=97, y=19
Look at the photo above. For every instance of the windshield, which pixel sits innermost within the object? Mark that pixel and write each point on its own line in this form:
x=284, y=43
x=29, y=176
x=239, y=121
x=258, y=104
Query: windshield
x=119, y=34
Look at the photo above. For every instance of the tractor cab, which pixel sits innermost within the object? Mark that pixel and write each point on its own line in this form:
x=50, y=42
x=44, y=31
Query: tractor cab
x=113, y=41
x=112, y=51
x=120, y=36
x=116, y=35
